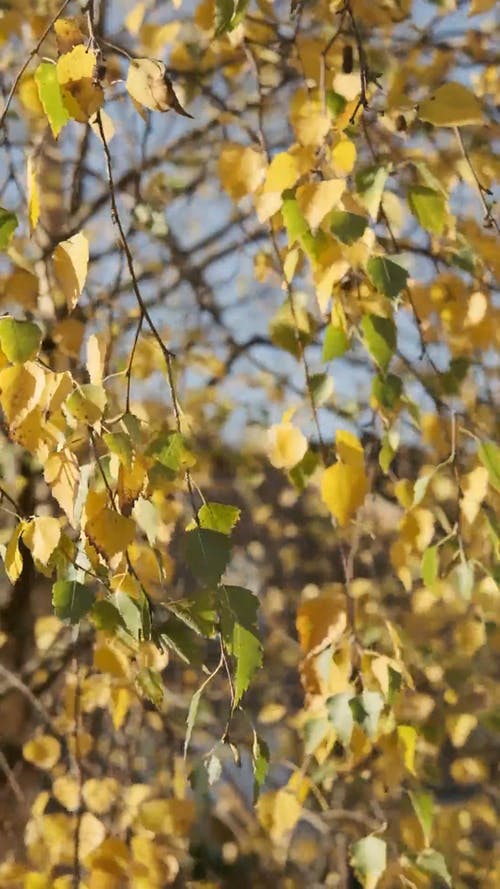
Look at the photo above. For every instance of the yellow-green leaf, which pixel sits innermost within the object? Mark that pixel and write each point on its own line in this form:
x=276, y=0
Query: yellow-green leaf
x=452, y=105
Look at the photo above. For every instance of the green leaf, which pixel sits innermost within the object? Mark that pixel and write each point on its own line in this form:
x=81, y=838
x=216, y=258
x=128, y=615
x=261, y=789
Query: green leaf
x=119, y=443
x=340, y=716
x=172, y=452
x=366, y=709
x=207, y=554
x=106, y=616
x=429, y=568
x=380, y=337
x=191, y=717
x=296, y=225
x=314, y=732
x=432, y=862
x=321, y=387
x=228, y=13
x=51, y=96
x=199, y=615
x=489, y=455
x=260, y=763
x=387, y=390
x=462, y=579
x=180, y=638
x=369, y=859
x=347, y=227
x=20, y=340
x=87, y=403
x=214, y=769
x=429, y=207
x=387, y=276
x=423, y=806
x=335, y=103
x=219, y=517
x=71, y=600
x=8, y=225
x=238, y=614
x=130, y=612
x=151, y=685
x=370, y=184
x=390, y=444
x=336, y=343
x=300, y=474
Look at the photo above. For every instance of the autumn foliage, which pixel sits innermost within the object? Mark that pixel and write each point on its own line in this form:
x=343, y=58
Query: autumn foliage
x=249, y=481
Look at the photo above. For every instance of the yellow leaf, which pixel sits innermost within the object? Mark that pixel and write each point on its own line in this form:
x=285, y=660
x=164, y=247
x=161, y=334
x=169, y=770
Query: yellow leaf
x=320, y=622
x=469, y=635
x=317, y=199
x=121, y=700
x=459, y=726
x=349, y=448
x=308, y=118
x=287, y=445
x=62, y=474
x=68, y=34
x=13, y=559
x=21, y=387
x=169, y=816
x=43, y=751
x=100, y=794
x=71, y=259
x=278, y=812
x=452, y=105
x=110, y=532
x=343, y=156
x=109, y=659
x=241, y=169
x=67, y=792
x=343, y=490
x=82, y=95
x=46, y=631
x=107, y=125
x=283, y=172
x=142, y=75
x=474, y=489
x=97, y=345
x=469, y=770
x=134, y=19
x=33, y=193
x=407, y=737
x=42, y=536
x=92, y=833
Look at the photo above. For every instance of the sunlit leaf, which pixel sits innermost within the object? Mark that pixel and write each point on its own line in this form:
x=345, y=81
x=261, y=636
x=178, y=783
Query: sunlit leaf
x=20, y=340
x=8, y=225
x=369, y=859
x=50, y=94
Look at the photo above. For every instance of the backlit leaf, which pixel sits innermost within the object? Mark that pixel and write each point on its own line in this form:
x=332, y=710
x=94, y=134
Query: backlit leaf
x=20, y=340
x=50, y=94
x=369, y=859
x=452, y=105
x=432, y=862
x=239, y=630
x=71, y=259
x=343, y=490
x=429, y=207
x=287, y=445
x=8, y=225
x=489, y=455
x=380, y=338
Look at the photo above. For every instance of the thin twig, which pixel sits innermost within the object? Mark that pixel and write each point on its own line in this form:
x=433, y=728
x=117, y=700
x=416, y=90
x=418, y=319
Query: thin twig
x=489, y=219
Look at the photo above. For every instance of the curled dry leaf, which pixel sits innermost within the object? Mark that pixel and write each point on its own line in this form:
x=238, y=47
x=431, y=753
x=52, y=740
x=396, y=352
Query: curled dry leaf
x=149, y=85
